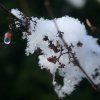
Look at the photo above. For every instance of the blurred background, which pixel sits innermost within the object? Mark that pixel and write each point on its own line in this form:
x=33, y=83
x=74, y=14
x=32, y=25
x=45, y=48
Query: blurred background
x=20, y=76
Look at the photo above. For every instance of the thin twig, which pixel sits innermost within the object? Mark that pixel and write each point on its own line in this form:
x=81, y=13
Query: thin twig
x=22, y=23
x=9, y=13
x=47, y=5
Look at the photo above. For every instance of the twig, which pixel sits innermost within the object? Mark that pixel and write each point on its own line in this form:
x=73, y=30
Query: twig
x=60, y=34
x=75, y=60
x=22, y=23
x=12, y=15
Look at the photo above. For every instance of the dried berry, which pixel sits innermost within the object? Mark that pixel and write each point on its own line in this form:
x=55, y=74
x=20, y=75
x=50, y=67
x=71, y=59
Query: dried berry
x=79, y=44
x=52, y=59
x=62, y=66
x=45, y=38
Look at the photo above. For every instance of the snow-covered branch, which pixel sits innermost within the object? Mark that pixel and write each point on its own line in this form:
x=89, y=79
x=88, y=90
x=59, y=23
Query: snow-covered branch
x=66, y=49
x=84, y=47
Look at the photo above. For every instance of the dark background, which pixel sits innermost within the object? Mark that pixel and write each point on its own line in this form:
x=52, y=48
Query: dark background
x=20, y=76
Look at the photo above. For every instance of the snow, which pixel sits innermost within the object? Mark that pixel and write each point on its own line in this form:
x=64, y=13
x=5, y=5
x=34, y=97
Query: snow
x=88, y=53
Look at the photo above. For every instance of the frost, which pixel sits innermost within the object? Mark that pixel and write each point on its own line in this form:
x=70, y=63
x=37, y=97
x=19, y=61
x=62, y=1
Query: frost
x=45, y=36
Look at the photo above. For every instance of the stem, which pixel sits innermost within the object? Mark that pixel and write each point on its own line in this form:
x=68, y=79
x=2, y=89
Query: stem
x=12, y=15
x=47, y=5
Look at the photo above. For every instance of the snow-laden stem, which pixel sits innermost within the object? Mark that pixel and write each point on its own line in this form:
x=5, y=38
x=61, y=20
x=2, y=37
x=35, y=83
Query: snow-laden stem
x=66, y=49
x=9, y=13
x=60, y=34
x=23, y=23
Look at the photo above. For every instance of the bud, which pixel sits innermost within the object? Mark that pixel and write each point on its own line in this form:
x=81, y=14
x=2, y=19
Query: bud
x=7, y=37
x=52, y=59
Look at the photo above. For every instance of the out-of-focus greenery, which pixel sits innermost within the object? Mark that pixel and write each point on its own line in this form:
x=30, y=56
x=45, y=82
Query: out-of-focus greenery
x=20, y=76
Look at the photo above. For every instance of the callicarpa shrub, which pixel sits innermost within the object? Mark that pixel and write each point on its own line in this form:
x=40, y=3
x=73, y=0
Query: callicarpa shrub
x=66, y=49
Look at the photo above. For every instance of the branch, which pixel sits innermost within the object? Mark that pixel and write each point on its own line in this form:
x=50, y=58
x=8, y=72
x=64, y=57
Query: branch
x=22, y=23
x=70, y=53
x=9, y=13
x=60, y=34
